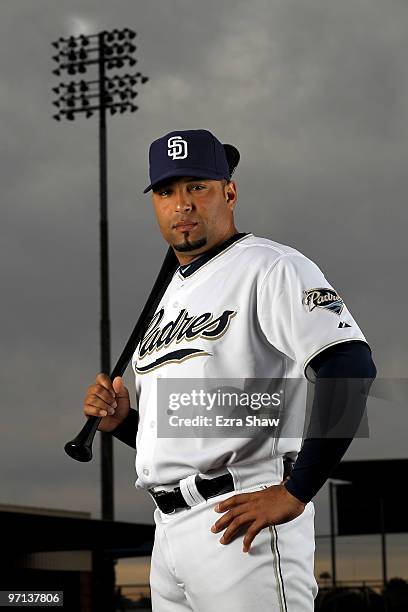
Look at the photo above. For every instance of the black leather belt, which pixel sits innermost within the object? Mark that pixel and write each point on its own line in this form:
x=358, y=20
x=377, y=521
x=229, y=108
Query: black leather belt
x=169, y=501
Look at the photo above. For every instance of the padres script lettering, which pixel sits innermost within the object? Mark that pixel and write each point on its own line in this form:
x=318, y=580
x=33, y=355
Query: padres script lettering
x=322, y=297
x=184, y=327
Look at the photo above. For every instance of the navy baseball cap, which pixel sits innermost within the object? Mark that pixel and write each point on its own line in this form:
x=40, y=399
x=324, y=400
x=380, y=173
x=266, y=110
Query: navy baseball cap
x=190, y=153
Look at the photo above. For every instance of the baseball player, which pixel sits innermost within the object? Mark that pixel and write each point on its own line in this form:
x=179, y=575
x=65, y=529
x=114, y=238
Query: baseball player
x=234, y=513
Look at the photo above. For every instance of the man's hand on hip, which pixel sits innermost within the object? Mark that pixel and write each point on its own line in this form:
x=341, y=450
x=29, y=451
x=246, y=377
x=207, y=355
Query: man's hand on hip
x=271, y=506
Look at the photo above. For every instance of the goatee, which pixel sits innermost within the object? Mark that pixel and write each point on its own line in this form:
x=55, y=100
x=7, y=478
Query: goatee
x=189, y=246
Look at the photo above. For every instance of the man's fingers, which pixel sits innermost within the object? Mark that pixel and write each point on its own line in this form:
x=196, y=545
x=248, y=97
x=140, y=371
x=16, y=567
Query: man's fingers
x=119, y=388
x=104, y=380
x=229, y=516
x=95, y=406
x=98, y=402
x=118, y=385
x=92, y=411
x=252, y=531
x=234, y=527
x=235, y=500
x=97, y=391
x=223, y=522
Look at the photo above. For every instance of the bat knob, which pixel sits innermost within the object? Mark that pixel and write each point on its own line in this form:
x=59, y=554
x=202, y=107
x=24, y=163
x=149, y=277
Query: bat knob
x=80, y=448
x=80, y=452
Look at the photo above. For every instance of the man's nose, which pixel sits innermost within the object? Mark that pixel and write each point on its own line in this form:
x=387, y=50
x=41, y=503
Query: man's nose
x=183, y=200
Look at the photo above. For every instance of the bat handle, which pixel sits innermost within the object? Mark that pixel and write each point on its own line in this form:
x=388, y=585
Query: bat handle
x=80, y=448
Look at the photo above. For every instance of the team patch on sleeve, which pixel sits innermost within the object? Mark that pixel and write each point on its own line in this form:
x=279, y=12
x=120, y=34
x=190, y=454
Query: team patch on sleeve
x=325, y=298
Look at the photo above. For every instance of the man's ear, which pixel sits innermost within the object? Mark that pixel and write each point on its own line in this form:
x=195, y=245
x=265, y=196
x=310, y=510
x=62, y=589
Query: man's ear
x=231, y=192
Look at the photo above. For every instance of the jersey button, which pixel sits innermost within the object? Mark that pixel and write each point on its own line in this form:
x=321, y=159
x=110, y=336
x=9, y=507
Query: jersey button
x=152, y=423
x=175, y=305
x=146, y=472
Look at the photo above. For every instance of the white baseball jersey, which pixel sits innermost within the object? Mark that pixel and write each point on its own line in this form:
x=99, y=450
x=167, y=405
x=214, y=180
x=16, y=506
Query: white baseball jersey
x=255, y=310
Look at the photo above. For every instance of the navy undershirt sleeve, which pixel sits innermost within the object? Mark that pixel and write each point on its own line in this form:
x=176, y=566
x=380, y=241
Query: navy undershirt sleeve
x=126, y=431
x=320, y=455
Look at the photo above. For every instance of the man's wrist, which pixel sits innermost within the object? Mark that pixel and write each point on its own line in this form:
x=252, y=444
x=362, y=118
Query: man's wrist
x=291, y=489
x=126, y=431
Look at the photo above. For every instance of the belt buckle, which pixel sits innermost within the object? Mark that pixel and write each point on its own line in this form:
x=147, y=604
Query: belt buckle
x=164, y=506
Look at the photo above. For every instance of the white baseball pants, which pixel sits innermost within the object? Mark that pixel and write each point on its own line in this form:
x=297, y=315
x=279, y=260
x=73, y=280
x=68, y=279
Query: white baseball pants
x=192, y=571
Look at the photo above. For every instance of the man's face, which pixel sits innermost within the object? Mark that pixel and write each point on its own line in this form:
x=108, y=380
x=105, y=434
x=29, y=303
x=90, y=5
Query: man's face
x=195, y=215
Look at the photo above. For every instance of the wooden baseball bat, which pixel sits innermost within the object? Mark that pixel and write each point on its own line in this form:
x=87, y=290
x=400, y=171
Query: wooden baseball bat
x=80, y=448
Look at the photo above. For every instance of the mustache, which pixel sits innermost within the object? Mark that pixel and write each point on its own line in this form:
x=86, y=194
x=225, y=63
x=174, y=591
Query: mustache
x=184, y=222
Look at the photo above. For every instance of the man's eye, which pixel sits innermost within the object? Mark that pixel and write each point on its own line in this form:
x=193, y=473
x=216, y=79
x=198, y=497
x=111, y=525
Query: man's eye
x=197, y=187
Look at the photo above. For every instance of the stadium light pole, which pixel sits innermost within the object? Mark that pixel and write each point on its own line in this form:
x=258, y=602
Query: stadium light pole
x=332, y=489
x=114, y=94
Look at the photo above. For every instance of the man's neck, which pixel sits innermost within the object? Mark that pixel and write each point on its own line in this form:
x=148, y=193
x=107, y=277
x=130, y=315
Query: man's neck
x=186, y=258
x=189, y=268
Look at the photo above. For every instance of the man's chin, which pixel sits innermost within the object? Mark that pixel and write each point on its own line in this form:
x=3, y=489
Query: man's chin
x=189, y=245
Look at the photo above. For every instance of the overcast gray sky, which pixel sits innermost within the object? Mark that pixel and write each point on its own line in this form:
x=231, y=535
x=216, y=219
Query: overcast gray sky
x=312, y=92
